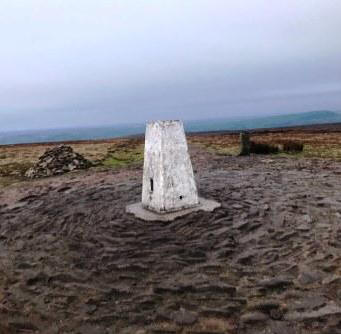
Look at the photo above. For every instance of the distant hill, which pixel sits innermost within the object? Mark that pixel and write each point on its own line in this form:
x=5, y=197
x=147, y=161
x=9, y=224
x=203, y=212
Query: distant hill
x=305, y=118
x=72, y=134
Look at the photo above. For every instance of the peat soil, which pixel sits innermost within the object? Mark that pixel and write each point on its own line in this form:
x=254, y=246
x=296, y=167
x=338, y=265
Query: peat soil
x=267, y=261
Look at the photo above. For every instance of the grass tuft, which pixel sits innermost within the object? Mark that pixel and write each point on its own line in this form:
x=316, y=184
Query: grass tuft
x=14, y=169
x=123, y=156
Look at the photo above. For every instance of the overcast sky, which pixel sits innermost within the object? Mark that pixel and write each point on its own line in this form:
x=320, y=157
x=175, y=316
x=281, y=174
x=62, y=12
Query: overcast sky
x=86, y=62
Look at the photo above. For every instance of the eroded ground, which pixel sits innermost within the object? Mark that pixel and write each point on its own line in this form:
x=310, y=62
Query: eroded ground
x=267, y=261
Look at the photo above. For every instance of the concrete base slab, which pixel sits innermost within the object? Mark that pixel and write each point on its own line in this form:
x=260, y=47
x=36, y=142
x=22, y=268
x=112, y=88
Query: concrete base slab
x=139, y=212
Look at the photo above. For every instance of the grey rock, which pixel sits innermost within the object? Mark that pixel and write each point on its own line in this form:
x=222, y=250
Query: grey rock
x=281, y=327
x=240, y=225
x=58, y=160
x=303, y=227
x=309, y=276
x=264, y=305
x=310, y=302
x=184, y=317
x=327, y=310
x=276, y=282
x=217, y=287
x=334, y=279
x=253, y=317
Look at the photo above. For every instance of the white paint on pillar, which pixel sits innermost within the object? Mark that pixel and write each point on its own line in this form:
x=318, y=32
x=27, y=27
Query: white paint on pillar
x=168, y=179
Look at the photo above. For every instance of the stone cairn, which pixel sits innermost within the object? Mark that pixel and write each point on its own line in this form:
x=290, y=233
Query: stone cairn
x=244, y=143
x=56, y=161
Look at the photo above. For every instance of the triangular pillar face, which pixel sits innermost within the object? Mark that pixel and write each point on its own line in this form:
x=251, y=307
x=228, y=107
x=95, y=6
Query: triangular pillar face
x=168, y=179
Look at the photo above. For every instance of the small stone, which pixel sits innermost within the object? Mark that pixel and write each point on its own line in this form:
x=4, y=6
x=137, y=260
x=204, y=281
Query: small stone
x=264, y=305
x=311, y=302
x=217, y=288
x=307, y=219
x=327, y=310
x=281, y=327
x=276, y=314
x=166, y=288
x=308, y=276
x=276, y=282
x=37, y=278
x=286, y=236
x=224, y=312
x=252, y=317
x=246, y=257
x=334, y=279
x=184, y=317
x=303, y=227
x=253, y=212
x=240, y=225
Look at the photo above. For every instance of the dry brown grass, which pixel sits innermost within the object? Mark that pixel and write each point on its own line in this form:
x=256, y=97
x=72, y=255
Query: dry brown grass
x=119, y=153
x=316, y=145
x=292, y=146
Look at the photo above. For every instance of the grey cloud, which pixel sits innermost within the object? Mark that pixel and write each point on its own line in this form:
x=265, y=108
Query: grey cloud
x=84, y=63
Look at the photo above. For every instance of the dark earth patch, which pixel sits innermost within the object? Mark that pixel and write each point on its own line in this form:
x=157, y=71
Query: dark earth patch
x=268, y=260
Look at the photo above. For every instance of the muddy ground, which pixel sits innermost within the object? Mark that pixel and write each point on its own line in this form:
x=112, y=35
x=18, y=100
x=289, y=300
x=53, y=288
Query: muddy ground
x=267, y=261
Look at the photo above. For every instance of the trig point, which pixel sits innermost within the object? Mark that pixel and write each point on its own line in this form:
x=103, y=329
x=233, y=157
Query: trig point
x=168, y=179
x=168, y=190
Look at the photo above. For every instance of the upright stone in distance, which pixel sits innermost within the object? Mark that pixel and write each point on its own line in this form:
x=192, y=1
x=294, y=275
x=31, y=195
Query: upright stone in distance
x=244, y=143
x=168, y=179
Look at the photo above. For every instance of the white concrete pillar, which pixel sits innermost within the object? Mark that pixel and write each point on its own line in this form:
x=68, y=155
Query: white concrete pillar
x=168, y=179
